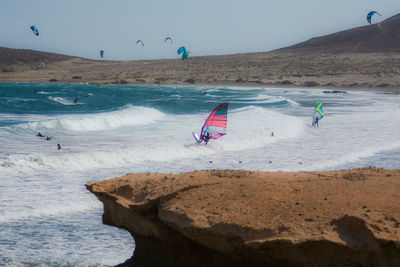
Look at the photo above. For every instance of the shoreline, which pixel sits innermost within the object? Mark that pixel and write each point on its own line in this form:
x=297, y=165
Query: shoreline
x=346, y=71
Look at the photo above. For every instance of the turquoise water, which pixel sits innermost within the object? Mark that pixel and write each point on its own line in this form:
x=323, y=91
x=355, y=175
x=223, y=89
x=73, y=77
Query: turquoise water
x=47, y=217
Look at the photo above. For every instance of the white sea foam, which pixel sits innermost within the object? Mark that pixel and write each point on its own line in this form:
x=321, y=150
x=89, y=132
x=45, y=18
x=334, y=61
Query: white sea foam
x=265, y=98
x=61, y=100
x=164, y=143
x=129, y=116
x=42, y=184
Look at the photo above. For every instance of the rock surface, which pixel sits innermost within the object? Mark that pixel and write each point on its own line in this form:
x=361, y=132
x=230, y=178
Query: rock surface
x=241, y=218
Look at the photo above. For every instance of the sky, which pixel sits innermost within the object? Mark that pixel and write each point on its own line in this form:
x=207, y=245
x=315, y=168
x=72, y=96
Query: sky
x=206, y=27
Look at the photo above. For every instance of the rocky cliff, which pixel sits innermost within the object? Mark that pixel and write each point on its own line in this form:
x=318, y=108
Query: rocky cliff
x=240, y=218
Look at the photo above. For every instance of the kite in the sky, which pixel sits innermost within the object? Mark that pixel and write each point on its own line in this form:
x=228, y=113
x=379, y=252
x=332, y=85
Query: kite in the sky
x=140, y=41
x=168, y=38
x=370, y=14
x=35, y=30
x=182, y=50
x=101, y=53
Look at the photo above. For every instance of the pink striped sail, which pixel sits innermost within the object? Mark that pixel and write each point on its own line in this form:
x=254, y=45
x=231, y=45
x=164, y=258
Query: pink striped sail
x=216, y=122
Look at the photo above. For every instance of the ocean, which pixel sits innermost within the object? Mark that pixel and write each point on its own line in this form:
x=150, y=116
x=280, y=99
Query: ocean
x=48, y=218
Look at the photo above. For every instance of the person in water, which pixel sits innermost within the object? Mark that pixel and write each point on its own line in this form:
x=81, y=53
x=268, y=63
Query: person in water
x=76, y=100
x=316, y=121
x=48, y=138
x=39, y=134
x=207, y=138
x=58, y=146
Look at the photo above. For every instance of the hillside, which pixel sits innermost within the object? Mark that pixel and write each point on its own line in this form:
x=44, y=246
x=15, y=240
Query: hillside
x=382, y=37
x=366, y=57
x=26, y=59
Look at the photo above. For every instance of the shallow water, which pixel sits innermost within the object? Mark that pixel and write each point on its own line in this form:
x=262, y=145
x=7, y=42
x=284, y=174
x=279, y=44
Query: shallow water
x=47, y=217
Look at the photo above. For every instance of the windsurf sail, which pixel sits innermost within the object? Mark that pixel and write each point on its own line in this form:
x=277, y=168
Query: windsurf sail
x=318, y=113
x=215, y=125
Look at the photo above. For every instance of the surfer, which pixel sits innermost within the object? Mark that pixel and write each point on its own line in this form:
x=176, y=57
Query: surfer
x=76, y=100
x=48, y=138
x=39, y=134
x=58, y=146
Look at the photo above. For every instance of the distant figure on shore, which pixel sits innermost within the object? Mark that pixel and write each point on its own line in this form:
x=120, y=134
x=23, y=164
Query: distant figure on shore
x=76, y=100
x=48, y=138
x=40, y=135
x=58, y=146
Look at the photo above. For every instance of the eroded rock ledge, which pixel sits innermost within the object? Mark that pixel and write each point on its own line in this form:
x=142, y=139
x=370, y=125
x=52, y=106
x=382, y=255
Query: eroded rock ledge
x=240, y=218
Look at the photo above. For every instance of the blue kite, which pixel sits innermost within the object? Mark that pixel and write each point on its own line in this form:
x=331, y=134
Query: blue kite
x=35, y=30
x=370, y=14
x=182, y=50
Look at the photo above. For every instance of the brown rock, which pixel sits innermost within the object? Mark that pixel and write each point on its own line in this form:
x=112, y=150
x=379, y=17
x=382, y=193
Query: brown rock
x=240, y=218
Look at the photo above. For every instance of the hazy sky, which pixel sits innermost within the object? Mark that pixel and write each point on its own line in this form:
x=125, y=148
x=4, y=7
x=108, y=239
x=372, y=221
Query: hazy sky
x=205, y=27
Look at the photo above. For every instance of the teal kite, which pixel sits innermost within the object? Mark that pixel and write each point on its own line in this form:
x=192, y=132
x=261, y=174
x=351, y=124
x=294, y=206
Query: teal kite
x=182, y=50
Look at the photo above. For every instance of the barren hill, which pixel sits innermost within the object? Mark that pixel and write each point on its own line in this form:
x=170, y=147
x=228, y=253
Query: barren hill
x=380, y=37
x=360, y=58
x=26, y=59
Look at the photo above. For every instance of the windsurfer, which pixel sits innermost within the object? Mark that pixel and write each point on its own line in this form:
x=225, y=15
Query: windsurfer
x=206, y=138
x=316, y=121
